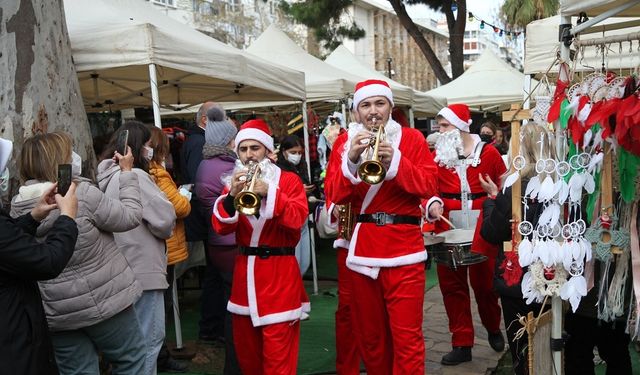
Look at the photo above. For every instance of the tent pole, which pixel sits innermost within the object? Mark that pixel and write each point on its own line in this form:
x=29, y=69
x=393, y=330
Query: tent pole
x=312, y=232
x=344, y=114
x=155, y=99
x=411, y=118
x=176, y=313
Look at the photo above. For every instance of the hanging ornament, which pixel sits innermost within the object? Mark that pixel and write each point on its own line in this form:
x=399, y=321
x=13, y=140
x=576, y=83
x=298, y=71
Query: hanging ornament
x=481, y=24
x=471, y=18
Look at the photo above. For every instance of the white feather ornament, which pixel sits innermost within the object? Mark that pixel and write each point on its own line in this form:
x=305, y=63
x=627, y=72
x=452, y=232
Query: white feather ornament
x=573, y=290
x=544, y=252
x=575, y=187
x=563, y=194
x=556, y=250
x=589, y=183
x=586, y=249
x=555, y=215
x=546, y=189
x=533, y=187
x=595, y=162
x=525, y=255
x=587, y=137
x=510, y=180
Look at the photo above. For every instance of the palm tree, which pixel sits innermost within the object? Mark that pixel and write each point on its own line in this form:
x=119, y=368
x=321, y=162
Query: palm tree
x=521, y=12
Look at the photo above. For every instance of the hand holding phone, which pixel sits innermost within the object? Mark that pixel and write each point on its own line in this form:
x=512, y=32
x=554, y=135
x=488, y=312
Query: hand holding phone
x=64, y=178
x=121, y=142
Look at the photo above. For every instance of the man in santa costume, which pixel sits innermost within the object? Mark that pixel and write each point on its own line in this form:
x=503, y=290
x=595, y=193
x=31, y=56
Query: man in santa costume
x=386, y=249
x=459, y=154
x=267, y=296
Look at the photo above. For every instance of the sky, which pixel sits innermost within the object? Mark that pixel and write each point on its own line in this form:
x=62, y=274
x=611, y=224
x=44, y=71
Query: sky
x=484, y=9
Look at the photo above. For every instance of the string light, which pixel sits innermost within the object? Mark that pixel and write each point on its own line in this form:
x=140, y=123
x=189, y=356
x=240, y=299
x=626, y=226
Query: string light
x=498, y=30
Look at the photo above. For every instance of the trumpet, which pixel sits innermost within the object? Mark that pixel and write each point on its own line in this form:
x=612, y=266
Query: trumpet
x=247, y=202
x=372, y=171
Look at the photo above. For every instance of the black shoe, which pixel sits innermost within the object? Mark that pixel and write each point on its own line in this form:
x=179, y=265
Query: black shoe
x=211, y=340
x=172, y=366
x=458, y=355
x=496, y=341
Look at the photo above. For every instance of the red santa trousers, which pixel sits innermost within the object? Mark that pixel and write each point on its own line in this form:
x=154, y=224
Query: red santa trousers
x=347, y=351
x=457, y=300
x=267, y=350
x=389, y=318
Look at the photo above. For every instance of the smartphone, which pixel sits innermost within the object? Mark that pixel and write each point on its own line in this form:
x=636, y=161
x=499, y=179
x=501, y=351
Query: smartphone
x=64, y=178
x=121, y=142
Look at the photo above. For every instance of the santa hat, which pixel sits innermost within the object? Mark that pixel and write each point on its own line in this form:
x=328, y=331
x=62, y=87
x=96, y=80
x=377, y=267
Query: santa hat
x=369, y=88
x=458, y=115
x=257, y=130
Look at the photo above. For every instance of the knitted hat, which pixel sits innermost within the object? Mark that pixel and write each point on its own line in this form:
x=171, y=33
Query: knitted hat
x=257, y=130
x=5, y=153
x=219, y=131
x=369, y=88
x=458, y=115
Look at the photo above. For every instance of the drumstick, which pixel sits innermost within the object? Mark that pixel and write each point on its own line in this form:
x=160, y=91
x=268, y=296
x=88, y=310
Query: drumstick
x=447, y=221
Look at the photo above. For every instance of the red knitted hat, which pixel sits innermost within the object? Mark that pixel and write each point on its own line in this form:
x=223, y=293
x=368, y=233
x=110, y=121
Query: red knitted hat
x=369, y=88
x=257, y=130
x=458, y=115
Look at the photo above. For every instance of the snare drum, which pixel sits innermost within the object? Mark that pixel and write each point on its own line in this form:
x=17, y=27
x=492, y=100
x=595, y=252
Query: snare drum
x=453, y=248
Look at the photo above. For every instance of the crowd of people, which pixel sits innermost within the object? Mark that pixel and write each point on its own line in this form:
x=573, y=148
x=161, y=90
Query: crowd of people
x=85, y=274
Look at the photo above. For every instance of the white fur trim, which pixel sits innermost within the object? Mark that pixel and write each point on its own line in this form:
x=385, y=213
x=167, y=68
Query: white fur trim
x=332, y=222
x=266, y=209
x=372, y=272
x=237, y=309
x=393, y=166
x=454, y=119
x=341, y=242
x=346, y=171
x=226, y=220
x=429, y=203
x=285, y=316
x=372, y=90
x=257, y=225
x=403, y=260
x=254, y=134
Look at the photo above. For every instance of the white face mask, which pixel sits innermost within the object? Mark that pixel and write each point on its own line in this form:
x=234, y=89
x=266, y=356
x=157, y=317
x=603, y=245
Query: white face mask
x=4, y=180
x=76, y=164
x=149, y=153
x=294, y=158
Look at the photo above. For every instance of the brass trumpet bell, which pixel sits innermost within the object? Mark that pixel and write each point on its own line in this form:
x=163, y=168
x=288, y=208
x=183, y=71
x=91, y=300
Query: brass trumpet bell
x=247, y=202
x=372, y=171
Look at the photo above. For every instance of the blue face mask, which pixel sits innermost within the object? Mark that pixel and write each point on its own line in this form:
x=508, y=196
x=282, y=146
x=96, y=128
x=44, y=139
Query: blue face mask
x=76, y=165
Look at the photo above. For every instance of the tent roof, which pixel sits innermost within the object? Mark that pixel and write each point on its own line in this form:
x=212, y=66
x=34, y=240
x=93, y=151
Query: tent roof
x=542, y=46
x=342, y=58
x=597, y=7
x=323, y=81
x=490, y=81
x=113, y=41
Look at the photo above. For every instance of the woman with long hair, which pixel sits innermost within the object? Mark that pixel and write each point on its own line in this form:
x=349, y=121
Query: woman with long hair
x=290, y=158
x=143, y=246
x=89, y=307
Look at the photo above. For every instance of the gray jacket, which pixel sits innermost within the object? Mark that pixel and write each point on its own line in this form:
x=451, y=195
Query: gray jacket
x=98, y=282
x=144, y=246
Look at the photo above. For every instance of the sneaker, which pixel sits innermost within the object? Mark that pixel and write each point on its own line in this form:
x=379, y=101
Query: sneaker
x=458, y=355
x=496, y=341
x=172, y=366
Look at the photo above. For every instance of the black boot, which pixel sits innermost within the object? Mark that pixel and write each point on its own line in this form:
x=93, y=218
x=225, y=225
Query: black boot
x=172, y=366
x=458, y=355
x=496, y=341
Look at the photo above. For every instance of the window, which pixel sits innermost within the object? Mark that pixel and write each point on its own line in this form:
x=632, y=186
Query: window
x=171, y=3
x=474, y=45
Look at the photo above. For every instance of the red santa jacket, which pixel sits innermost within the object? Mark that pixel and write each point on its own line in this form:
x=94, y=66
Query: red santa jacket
x=491, y=164
x=411, y=177
x=270, y=290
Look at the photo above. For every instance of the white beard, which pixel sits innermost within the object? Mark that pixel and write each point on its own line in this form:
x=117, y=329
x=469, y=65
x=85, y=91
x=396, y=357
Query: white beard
x=268, y=172
x=449, y=148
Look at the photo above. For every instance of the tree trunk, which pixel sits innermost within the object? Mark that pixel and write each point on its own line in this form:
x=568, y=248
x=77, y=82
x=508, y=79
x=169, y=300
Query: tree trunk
x=423, y=44
x=39, y=90
x=456, y=35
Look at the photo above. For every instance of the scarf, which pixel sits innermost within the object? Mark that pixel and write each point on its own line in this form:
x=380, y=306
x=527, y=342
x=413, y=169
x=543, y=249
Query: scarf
x=210, y=151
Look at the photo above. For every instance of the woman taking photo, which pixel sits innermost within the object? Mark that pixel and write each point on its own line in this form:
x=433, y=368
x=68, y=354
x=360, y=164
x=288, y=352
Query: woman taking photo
x=144, y=246
x=89, y=306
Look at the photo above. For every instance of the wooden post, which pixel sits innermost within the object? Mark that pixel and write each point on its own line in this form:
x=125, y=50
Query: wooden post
x=531, y=328
x=515, y=115
x=606, y=197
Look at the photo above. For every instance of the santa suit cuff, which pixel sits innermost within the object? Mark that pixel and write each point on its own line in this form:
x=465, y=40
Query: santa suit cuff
x=350, y=170
x=226, y=218
x=431, y=201
x=393, y=166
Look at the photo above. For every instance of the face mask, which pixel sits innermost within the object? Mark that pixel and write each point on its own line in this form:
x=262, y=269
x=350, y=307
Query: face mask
x=76, y=164
x=4, y=180
x=294, y=158
x=149, y=153
x=486, y=138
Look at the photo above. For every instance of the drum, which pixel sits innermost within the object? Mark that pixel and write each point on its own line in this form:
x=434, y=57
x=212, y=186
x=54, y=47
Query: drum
x=453, y=248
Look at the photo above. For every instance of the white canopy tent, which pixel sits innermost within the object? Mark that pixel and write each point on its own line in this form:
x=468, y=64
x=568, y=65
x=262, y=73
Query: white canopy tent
x=343, y=59
x=599, y=7
x=118, y=46
x=489, y=83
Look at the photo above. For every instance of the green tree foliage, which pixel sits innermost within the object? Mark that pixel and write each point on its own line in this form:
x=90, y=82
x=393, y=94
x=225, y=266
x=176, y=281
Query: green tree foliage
x=324, y=18
x=521, y=12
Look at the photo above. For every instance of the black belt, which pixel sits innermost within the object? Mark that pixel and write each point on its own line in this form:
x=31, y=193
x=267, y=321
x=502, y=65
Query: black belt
x=383, y=218
x=472, y=196
x=265, y=251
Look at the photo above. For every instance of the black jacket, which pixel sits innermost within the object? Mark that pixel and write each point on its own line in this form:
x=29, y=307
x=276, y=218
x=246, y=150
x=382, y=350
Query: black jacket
x=198, y=222
x=24, y=338
x=496, y=229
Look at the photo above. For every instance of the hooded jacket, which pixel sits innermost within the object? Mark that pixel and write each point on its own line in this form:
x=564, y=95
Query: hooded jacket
x=144, y=246
x=97, y=283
